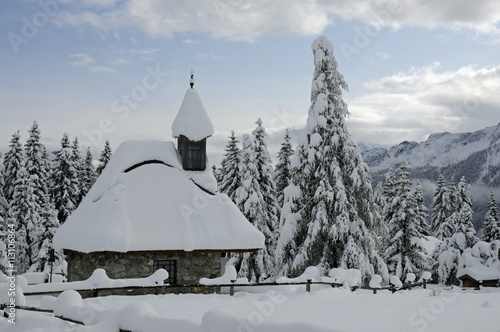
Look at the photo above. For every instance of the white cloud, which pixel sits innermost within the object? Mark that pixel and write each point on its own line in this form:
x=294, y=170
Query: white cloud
x=82, y=59
x=119, y=61
x=101, y=69
x=244, y=20
x=411, y=105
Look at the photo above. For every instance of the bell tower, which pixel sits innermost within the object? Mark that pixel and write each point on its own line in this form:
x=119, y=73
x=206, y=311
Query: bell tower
x=192, y=127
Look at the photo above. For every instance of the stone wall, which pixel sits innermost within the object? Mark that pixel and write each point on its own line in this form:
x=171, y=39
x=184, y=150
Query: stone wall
x=190, y=266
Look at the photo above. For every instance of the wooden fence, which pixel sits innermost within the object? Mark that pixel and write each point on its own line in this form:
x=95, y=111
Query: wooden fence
x=231, y=286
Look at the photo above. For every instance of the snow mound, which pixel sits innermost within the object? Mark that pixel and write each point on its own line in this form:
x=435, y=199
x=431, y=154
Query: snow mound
x=375, y=281
x=410, y=277
x=192, y=119
x=99, y=279
x=426, y=275
x=337, y=274
x=68, y=304
x=311, y=273
x=394, y=280
x=226, y=278
x=133, y=317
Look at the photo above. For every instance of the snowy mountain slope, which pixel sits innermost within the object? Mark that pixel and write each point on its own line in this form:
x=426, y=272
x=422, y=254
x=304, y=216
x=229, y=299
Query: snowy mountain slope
x=474, y=155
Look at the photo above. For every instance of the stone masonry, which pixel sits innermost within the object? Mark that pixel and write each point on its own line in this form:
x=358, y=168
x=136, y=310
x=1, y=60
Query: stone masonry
x=190, y=266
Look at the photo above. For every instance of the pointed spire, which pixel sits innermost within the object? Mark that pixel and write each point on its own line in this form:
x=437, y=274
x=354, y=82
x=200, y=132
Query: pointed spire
x=192, y=119
x=191, y=81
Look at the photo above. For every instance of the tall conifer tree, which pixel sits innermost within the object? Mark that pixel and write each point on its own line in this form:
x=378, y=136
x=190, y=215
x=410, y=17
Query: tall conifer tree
x=329, y=213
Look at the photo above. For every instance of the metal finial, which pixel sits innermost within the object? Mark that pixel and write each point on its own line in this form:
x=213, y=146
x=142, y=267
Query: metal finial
x=191, y=81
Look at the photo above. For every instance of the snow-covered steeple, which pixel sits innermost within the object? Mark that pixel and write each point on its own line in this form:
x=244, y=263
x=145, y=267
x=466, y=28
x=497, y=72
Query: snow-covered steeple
x=192, y=119
x=191, y=127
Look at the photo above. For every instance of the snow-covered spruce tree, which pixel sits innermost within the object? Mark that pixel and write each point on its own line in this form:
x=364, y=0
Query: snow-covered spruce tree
x=380, y=205
x=283, y=168
x=4, y=212
x=449, y=252
x=36, y=165
x=229, y=174
x=328, y=212
x=441, y=210
x=491, y=230
x=88, y=175
x=12, y=162
x=266, y=181
x=389, y=191
x=46, y=231
x=421, y=210
x=24, y=212
x=65, y=189
x=404, y=253
x=78, y=164
x=249, y=198
x=104, y=158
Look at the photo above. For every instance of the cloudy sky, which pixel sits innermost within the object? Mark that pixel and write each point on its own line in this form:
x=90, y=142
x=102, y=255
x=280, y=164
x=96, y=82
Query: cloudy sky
x=118, y=70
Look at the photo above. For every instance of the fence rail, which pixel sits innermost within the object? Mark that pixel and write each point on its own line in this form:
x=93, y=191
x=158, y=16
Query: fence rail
x=95, y=291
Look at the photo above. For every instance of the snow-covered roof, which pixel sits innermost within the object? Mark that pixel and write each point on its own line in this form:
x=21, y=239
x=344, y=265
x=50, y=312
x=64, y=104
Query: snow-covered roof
x=192, y=119
x=480, y=272
x=144, y=201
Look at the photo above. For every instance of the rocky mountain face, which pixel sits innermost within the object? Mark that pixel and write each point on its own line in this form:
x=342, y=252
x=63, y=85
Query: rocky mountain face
x=475, y=155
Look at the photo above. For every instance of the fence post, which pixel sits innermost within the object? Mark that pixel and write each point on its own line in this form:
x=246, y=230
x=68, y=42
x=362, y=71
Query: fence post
x=374, y=290
x=308, y=285
x=231, y=288
x=425, y=284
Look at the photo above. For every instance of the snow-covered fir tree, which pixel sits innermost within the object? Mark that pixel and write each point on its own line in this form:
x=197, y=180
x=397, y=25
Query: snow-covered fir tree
x=449, y=252
x=24, y=212
x=4, y=212
x=389, y=192
x=265, y=176
x=65, y=190
x=229, y=174
x=78, y=164
x=88, y=175
x=283, y=168
x=249, y=198
x=491, y=230
x=12, y=162
x=36, y=165
x=328, y=212
x=380, y=205
x=404, y=253
x=441, y=210
x=421, y=210
x=104, y=158
x=46, y=231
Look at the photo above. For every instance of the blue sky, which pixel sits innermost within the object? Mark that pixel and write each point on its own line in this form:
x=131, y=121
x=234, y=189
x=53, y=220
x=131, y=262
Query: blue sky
x=413, y=67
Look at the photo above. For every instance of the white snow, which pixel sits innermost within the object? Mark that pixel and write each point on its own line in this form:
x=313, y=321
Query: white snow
x=375, y=281
x=229, y=274
x=284, y=308
x=155, y=207
x=192, y=119
x=98, y=279
x=394, y=280
x=311, y=273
